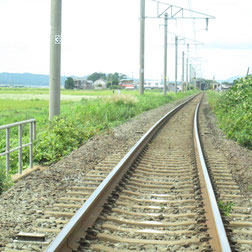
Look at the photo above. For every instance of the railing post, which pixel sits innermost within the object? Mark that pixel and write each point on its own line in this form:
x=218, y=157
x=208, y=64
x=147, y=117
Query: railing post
x=31, y=146
x=7, y=150
x=20, y=133
x=34, y=130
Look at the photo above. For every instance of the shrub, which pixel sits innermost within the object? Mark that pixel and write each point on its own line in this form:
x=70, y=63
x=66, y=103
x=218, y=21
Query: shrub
x=115, y=87
x=234, y=111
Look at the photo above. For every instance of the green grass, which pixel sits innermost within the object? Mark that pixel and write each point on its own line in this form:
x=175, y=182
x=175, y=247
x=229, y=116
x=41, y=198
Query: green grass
x=233, y=110
x=213, y=98
x=92, y=92
x=9, y=105
x=225, y=208
x=41, y=91
x=14, y=91
x=90, y=117
x=5, y=181
x=77, y=122
x=19, y=110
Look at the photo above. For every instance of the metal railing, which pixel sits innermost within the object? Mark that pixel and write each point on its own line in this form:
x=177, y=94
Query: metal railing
x=19, y=148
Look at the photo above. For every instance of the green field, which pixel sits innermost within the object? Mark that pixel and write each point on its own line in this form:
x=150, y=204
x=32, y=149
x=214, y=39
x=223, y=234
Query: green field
x=81, y=118
x=17, y=104
x=40, y=91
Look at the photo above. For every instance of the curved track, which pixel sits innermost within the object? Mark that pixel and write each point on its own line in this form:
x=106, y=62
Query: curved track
x=155, y=199
x=158, y=203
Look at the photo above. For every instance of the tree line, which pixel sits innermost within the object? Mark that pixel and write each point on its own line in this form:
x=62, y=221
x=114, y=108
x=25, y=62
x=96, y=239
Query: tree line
x=111, y=79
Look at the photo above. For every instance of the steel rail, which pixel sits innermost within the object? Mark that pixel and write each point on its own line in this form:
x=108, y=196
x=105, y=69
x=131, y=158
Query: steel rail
x=216, y=228
x=91, y=209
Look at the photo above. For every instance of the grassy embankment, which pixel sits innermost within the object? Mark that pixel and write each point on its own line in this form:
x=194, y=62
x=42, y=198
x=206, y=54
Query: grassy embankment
x=233, y=109
x=79, y=120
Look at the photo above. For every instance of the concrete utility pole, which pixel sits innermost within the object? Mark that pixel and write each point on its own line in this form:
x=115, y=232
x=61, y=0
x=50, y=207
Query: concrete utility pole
x=187, y=82
x=142, y=30
x=165, y=51
x=176, y=62
x=55, y=58
x=190, y=73
x=183, y=70
x=194, y=78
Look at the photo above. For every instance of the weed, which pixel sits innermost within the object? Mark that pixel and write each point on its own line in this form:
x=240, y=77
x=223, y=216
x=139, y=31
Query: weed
x=234, y=111
x=5, y=181
x=225, y=208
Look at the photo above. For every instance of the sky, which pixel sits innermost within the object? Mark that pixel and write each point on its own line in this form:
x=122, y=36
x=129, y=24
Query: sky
x=103, y=36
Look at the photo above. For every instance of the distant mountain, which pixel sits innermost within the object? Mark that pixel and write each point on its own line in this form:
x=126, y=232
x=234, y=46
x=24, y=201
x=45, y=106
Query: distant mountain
x=26, y=79
x=231, y=79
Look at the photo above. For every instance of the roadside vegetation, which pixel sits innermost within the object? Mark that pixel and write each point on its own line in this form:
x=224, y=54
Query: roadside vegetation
x=234, y=111
x=77, y=123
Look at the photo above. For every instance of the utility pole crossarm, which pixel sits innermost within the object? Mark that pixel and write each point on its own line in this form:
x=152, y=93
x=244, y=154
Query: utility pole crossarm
x=180, y=10
x=176, y=12
x=185, y=39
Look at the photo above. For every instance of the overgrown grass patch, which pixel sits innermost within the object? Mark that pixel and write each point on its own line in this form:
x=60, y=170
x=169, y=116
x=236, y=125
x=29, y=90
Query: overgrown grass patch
x=234, y=111
x=77, y=123
x=5, y=181
x=73, y=128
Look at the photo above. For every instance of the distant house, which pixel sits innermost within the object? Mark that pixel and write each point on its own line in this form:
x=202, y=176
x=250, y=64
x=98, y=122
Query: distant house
x=127, y=84
x=81, y=83
x=152, y=84
x=100, y=83
x=226, y=86
x=216, y=85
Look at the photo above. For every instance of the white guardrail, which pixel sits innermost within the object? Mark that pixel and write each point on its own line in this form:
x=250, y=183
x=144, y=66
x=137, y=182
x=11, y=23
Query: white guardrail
x=20, y=146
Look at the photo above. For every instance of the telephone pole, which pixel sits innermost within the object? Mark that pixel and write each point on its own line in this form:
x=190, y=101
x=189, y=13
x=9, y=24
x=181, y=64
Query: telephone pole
x=176, y=62
x=165, y=51
x=55, y=58
x=187, y=59
x=183, y=71
x=187, y=82
x=190, y=73
x=142, y=30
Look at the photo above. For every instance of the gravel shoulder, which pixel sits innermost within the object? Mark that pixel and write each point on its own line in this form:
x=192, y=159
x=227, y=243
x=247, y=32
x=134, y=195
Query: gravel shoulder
x=239, y=159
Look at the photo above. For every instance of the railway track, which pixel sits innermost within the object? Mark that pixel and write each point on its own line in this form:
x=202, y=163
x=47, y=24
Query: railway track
x=157, y=205
x=157, y=201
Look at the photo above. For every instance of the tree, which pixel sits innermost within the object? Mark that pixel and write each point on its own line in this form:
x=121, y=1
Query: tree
x=226, y=83
x=69, y=83
x=96, y=76
x=114, y=79
x=111, y=78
